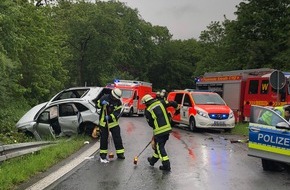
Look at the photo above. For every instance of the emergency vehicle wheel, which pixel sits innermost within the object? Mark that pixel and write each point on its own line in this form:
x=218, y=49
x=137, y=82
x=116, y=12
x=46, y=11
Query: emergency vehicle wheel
x=266, y=164
x=170, y=120
x=131, y=112
x=192, y=126
x=270, y=165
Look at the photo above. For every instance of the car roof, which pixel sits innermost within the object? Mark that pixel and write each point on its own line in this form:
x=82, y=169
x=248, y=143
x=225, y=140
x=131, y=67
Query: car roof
x=193, y=92
x=91, y=93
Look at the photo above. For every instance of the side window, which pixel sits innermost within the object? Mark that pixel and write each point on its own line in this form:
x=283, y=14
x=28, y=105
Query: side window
x=53, y=112
x=178, y=98
x=44, y=117
x=81, y=107
x=186, y=101
x=276, y=119
x=72, y=94
x=66, y=110
x=264, y=86
x=253, y=88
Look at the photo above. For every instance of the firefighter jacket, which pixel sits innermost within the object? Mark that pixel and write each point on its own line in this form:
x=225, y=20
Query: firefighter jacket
x=113, y=110
x=156, y=116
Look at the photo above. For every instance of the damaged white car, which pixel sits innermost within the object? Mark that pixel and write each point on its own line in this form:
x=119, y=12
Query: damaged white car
x=72, y=111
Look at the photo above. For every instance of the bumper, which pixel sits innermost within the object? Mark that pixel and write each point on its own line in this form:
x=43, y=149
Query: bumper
x=202, y=122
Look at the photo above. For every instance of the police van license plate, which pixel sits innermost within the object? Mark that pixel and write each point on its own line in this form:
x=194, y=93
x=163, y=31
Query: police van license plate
x=219, y=123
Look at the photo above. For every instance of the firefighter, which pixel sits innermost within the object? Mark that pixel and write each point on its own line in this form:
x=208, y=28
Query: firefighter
x=158, y=95
x=163, y=94
x=111, y=106
x=157, y=118
x=284, y=111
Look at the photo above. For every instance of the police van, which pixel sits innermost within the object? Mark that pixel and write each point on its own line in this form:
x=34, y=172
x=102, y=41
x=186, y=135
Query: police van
x=269, y=141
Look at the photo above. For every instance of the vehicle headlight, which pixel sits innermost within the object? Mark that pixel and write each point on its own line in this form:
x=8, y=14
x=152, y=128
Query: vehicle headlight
x=201, y=113
x=231, y=115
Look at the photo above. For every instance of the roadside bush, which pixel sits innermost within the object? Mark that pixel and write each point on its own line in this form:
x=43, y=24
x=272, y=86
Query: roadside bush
x=9, y=115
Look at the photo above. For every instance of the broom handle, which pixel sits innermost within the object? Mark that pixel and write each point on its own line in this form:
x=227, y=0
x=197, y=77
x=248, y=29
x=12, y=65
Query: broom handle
x=109, y=134
x=144, y=148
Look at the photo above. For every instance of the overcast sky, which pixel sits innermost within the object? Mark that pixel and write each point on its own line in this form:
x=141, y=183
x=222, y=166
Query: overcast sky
x=184, y=19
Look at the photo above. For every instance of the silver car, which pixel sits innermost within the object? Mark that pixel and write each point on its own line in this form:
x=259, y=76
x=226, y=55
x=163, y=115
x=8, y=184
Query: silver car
x=71, y=111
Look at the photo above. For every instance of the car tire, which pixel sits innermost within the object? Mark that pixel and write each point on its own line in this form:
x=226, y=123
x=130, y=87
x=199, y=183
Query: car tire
x=270, y=165
x=266, y=164
x=131, y=112
x=86, y=129
x=192, y=126
x=172, y=123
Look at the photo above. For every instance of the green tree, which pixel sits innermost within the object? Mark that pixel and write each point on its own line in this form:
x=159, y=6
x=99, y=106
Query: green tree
x=176, y=66
x=260, y=35
x=29, y=39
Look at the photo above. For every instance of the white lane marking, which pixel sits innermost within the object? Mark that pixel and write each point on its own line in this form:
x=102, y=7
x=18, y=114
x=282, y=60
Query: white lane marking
x=48, y=180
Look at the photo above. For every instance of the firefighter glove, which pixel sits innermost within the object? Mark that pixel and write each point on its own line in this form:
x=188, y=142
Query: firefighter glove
x=104, y=102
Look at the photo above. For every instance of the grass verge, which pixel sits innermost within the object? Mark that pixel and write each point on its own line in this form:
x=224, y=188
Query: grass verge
x=241, y=129
x=20, y=169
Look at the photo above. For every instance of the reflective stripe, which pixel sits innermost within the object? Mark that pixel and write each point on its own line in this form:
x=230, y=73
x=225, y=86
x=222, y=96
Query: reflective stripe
x=103, y=151
x=159, y=129
x=155, y=155
x=120, y=151
x=165, y=158
x=112, y=124
x=269, y=148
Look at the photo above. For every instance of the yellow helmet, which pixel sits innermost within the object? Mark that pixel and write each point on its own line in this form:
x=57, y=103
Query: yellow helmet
x=146, y=98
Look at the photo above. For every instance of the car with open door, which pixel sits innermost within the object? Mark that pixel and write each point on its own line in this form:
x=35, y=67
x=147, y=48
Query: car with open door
x=64, y=114
x=269, y=141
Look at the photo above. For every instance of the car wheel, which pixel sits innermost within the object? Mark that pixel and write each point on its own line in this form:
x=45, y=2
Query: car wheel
x=131, y=112
x=86, y=129
x=270, y=165
x=192, y=126
x=266, y=164
x=171, y=121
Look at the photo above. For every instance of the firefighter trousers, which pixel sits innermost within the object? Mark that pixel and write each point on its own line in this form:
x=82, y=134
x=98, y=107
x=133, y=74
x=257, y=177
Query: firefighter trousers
x=117, y=139
x=160, y=152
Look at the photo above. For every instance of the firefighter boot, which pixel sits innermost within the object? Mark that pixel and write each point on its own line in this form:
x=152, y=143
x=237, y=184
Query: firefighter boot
x=121, y=156
x=152, y=160
x=165, y=166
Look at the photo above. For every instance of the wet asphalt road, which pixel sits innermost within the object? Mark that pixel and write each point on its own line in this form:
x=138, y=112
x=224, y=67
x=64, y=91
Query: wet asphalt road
x=205, y=160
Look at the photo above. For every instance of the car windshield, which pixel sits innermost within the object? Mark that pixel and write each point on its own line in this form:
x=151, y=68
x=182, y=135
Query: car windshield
x=210, y=99
x=127, y=93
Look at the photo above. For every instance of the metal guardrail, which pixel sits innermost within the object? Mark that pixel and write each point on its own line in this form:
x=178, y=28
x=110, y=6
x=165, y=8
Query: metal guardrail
x=15, y=150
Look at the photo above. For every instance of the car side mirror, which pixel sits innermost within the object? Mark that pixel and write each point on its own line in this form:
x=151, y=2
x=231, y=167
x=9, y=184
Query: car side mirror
x=282, y=125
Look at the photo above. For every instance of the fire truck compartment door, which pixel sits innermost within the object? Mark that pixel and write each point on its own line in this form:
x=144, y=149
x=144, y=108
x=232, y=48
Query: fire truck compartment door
x=232, y=100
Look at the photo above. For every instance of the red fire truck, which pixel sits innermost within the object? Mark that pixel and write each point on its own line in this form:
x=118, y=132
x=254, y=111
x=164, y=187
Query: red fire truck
x=242, y=88
x=132, y=93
